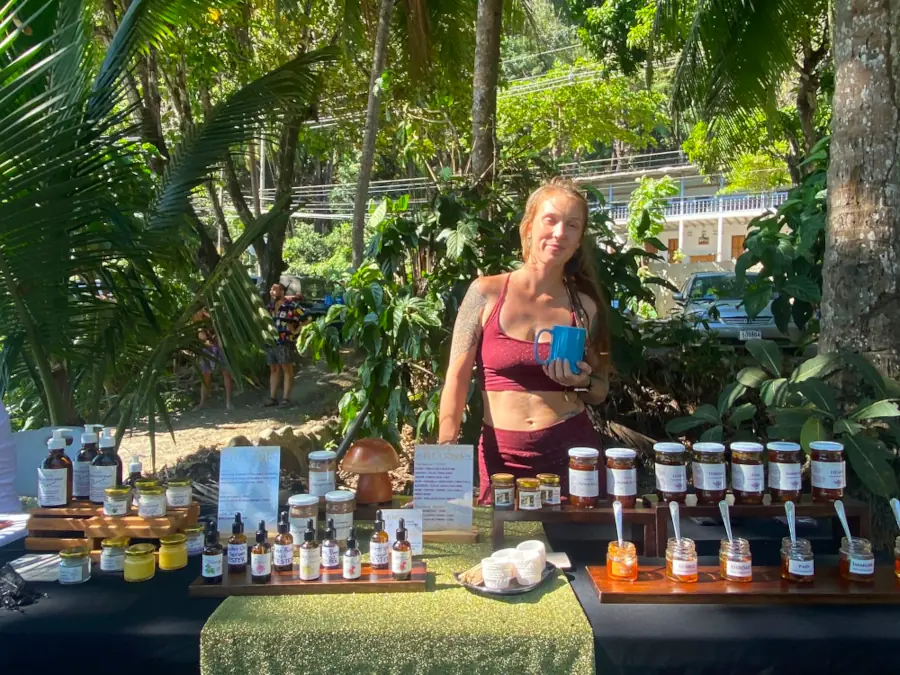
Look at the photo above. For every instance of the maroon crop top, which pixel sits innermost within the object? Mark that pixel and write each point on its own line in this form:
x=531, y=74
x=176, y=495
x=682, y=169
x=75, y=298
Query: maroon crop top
x=504, y=363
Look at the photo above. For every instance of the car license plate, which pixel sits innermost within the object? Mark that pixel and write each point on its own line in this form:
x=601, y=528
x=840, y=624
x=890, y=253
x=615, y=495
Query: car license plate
x=750, y=334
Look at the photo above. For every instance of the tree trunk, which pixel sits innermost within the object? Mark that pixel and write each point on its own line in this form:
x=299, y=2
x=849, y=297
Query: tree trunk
x=861, y=274
x=367, y=160
x=484, y=89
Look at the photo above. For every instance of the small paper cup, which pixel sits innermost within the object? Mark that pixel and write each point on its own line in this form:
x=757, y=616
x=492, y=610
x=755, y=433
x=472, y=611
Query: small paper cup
x=534, y=545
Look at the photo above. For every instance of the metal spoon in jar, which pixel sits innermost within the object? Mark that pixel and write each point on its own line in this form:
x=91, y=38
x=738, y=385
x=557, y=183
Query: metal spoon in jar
x=726, y=518
x=617, y=514
x=792, y=521
x=676, y=521
x=895, y=507
x=842, y=516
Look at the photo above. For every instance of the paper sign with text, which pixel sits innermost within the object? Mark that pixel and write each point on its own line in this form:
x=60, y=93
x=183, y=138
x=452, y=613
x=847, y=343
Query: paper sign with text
x=442, y=487
x=413, y=521
x=248, y=483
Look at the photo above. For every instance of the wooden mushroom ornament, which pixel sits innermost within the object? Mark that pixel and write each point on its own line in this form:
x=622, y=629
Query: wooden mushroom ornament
x=372, y=459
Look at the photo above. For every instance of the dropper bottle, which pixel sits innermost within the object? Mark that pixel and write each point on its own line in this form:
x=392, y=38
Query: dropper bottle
x=261, y=557
x=237, y=547
x=55, y=473
x=331, y=553
x=379, y=545
x=401, y=555
x=352, y=558
x=310, y=555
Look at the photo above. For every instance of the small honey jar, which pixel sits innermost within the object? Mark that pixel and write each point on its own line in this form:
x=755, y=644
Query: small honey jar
x=529, y=491
x=622, y=561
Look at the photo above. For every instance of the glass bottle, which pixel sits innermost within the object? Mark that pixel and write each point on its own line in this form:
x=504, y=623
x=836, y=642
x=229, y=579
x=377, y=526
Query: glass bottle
x=828, y=469
x=681, y=560
x=81, y=467
x=379, y=545
x=709, y=473
x=55, y=474
x=261, y=557
x=621, y=561
x=621, y=476
x=331, y=552
x=237, y=547
x=856, y=561
x=797, y=561
x=584, y=477
x=283, y=551
x=106, y=467
x=735, y=562
x=748, y=473
x=785, y=467
x=212, y=561
x=135, y=469
x=352, y=558
x=401, y=555
x=671, y=472
x=310, y=554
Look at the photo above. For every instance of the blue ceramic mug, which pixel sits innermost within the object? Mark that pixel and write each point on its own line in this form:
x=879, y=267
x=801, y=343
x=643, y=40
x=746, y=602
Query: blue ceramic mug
x=566, y=342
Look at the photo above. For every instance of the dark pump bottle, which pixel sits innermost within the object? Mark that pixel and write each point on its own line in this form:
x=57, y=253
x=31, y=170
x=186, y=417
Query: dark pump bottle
x=81, y=477
x=261, y=557
x=55, y=474
x=106, y=467
x=212, y=556
x=237, y=547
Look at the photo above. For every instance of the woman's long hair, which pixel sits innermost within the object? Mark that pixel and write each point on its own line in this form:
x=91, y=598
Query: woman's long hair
x=580, y=271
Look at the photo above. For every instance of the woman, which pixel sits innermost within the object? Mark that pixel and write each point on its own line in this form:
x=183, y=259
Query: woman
x=533, y=414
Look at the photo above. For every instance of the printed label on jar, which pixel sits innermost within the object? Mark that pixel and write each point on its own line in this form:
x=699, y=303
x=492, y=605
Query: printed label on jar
x=310, y=562
x=352, y=567
x=115, y=507
x=735, y=568
x=152, y=506
x=862, y=566
x=321, y=482
x=71, y=575
x=331, y=556
x=52, y=487
x=684, y=568
x=283, y=554
x=342, y=524
x=298, y=527
x=621, y=482
x=529, y=500
x=379, y=554
x=802, y=568
x=709, y=476
x=503, y=496
x=261, y=563
x=212, y=565
x=829, y=475
x=102, y=477
x=237, y=554
x=111, y=562
x=671, y=478
x=785, y=476
x=551, y=495
x=81, y=480
x=584, y=483
x=401, y=562
x=748, y=477
x=179, y=497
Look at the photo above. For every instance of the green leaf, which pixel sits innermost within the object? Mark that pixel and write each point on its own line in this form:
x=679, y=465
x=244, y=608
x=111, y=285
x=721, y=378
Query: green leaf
x=742, y=413
x=772, y=392
x=767, y=354
x=845, y=426
x=679, y=425
x=707, y=413
x=729, y=395
x=812, y=430
x=781, y=311
x=752, y=377
x=819, y=394
x=869, y=463
x=713, y=435
x=757, y=299
x=868, y=372
x=875, y=410
x=803, y=288
x=818, y=366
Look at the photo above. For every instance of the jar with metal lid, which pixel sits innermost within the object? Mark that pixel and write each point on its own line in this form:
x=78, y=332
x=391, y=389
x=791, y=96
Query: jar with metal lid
x=173, y=552
x=681, y=560
x=196, y=539
x=179, y=494
x=670, y=466
x=302, y=508
x=797, y=563
x=112, y=554
x=829, y=471
x=551, y=494
x=584, y=477
x=621, y=561
x=116, y=501
x=748, y=473
x=339, y=506
x=322, y=467
x=529, y=492
x=709, y=473
x=140, y=562
x=735, y=562
x=621, y=476
x=141, y=484
x=785, y=467
x=152, y=502
x=74, y=565
x=503, y=491
x=856, y=560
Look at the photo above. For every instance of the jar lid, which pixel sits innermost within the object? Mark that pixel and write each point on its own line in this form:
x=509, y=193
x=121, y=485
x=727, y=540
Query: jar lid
x=667, y=448
x=621, y=453
x=173, y=539
x=140, y=549
x=152, y=490
x=115, y=542
x=117, y=491
x=528, y=483
x=180, y=483
x=783, y=446
x=747, y=447
x=504, y=478
x=340, y=496
x=193, y=529
x=548, y=478
x=75, y=552
x=826, y=446
x=584, y=453
x=322, y=455
x=303, y=500
x=709, y=447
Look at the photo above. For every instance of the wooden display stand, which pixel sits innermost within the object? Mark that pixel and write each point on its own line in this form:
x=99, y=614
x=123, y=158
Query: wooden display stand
x=83, y=524
x=366, y=512
x=330, y=581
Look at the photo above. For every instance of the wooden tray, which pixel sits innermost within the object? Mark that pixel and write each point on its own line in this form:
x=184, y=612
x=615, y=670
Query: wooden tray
x=767, y=588
x=331, y=581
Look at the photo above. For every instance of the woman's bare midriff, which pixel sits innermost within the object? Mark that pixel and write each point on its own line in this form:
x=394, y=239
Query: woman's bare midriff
x=527, y=410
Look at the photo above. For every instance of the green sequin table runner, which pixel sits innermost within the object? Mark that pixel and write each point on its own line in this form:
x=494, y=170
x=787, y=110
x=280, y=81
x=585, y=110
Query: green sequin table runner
x=445, y=629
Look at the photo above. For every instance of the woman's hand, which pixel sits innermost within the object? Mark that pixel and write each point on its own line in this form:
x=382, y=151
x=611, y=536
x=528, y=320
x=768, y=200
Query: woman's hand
x=560, y=372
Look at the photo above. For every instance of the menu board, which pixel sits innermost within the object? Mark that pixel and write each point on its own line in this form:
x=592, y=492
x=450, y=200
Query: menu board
x=442, y=487
x=248, y=483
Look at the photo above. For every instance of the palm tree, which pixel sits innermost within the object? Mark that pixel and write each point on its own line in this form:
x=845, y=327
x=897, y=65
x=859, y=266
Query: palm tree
x=95, y=256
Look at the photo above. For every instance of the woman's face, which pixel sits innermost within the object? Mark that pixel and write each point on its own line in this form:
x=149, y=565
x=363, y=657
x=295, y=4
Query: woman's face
x=556, y=230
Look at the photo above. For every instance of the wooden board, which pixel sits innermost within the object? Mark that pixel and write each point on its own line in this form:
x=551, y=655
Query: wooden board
x=767, y=588
x=330, y=581
x=452, y=536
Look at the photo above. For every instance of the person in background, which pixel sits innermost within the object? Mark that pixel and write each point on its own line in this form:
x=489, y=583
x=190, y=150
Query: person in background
x=287, y=317
x=9, y=500
x=211, y=359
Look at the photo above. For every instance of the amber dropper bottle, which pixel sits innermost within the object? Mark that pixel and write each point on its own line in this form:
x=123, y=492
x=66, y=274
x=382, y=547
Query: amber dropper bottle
x=331, y=552
x=212, y=556
x=379, y=545
x=401, y=555
x=284, y=545
x=237, y=547
x=261, y=557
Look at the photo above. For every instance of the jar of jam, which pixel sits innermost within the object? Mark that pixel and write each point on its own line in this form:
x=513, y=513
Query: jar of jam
x=709, y=472
x=671, y=472
x=529, y=491
x=503, y=491
x=857, y=562
x=829, y=472
x=785, y=465
x=550, y=490
x=681, y=561
x=621, y=476
x=322, y=467
x=339, y=506
x=748, y=474
x=584, y=477
x=797, y=561
x=621, y=561
x=735, y=563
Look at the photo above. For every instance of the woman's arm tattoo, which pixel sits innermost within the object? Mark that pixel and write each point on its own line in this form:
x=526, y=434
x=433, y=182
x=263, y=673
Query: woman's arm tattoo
x=467, y=328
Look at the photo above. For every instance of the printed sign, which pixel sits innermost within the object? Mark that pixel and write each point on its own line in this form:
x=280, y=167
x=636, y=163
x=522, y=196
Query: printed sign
x=248, y=483
x=412, y=520
x=442, y=487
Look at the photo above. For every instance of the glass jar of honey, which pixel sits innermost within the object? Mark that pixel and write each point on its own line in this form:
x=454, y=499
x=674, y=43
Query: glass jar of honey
x=671, y=472
x=529, y=491
x=709, y=472
x=748, y=474
x=857, y=561
x=503, y=491
x=621, y=476
x=735, y=563
x=785, y=466
x=550, y=491
x=140, y=562
x=621, y=561
x=681, y=560
x=173, y=552
x=584, y=477
x=829, y=472
x=797, y=561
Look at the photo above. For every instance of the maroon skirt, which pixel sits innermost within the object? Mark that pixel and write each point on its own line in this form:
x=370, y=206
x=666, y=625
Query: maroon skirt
x=525, y=454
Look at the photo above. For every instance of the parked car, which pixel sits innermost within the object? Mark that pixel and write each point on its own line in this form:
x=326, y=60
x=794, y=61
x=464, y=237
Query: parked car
x=713, y=300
